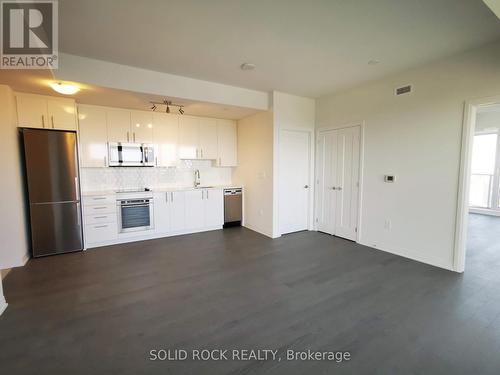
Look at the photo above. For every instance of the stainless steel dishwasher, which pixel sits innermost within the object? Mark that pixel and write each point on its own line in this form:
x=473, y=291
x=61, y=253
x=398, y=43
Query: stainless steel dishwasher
x=232, y=207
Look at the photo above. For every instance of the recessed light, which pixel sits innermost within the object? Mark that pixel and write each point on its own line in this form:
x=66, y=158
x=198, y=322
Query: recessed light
x=247, y=66
x=64, y=88
x=373, y=62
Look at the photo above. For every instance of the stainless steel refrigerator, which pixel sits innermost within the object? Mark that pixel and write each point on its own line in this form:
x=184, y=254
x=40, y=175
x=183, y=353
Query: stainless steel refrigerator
x=51, y=161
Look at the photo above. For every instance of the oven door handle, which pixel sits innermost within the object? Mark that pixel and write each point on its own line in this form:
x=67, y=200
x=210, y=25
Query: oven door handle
x=135, y=205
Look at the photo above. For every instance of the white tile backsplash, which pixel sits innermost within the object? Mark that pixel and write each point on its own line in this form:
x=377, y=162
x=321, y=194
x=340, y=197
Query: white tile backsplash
x=114, y=178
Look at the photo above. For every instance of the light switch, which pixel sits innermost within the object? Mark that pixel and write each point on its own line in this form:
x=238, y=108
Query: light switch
x=389, y=178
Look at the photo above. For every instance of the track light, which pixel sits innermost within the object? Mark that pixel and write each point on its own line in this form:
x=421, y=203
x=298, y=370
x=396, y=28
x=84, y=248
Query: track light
x=167, y=104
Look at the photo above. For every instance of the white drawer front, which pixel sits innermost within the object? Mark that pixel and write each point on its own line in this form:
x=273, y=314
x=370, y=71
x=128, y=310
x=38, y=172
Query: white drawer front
x=101, y=232
x=98, y=209
x=100, y=218
x=99, y=199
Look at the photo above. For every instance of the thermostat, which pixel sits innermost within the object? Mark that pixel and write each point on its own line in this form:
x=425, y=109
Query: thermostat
x=389, y=178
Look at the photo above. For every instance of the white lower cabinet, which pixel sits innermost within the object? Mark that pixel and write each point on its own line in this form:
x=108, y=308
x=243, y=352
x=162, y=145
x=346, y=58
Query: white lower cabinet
x=175, y=212
x=101, y=233
x=194, y=209
x=190, y=210
x=204, y=208
x=213, y=208
x=100, y=220
x=169, y=211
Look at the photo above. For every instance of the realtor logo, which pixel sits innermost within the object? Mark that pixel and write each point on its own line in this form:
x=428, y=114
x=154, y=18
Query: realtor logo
x=29, y=35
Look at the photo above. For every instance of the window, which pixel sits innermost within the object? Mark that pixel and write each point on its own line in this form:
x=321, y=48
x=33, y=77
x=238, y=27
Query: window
x=484, y=189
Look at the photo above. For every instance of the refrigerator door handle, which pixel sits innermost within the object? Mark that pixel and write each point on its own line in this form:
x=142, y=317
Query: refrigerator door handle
x=77, y=190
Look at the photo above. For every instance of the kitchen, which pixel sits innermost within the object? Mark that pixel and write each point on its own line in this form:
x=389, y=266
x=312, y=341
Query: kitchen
x=141, y=174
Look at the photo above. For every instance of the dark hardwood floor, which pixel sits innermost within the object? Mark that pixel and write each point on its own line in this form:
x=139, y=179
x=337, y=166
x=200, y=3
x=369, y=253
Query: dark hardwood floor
x=103, y=310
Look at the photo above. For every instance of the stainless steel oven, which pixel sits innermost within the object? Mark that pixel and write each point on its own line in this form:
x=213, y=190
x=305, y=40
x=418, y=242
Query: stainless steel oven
x=135, y=214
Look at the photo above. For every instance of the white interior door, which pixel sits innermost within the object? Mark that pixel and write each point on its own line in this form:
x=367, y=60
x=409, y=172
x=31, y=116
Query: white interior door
x=294, y=181
x=327, y=179
x=338, y=182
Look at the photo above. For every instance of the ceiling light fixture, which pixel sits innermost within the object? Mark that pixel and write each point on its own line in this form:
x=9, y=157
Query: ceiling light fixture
x=64, y=88
x=247, y=66
x=167, y=104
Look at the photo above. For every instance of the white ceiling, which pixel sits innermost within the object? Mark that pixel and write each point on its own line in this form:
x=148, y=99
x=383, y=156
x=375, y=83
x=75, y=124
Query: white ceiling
x=308, y=47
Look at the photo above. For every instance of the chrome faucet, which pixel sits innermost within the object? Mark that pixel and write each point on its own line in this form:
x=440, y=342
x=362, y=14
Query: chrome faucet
x=196, y=178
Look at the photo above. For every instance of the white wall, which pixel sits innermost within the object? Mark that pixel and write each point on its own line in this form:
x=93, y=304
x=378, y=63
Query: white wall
x=291, y=112
x=13, y=224
x=255, y=171
x=123, y=77
x=418, y=138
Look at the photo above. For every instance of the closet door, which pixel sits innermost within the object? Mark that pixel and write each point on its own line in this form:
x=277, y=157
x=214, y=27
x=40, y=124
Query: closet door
x=347, y=193
x=327, y=179
x=338, y=182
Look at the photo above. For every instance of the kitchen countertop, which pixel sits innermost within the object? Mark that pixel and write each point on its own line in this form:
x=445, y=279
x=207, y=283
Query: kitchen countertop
x=162, y=189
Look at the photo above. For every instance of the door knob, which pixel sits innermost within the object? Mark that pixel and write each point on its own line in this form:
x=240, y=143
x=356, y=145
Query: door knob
x=339, y=188
x=333, y=188
x=306, y=186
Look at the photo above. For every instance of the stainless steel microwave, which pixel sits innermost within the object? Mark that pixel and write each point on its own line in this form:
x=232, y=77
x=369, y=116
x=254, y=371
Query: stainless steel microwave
x=131, y=154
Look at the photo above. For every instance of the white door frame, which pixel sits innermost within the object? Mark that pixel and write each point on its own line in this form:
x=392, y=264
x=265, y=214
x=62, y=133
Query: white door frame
x=361, y=170
x=468, y=127
x=310, y=206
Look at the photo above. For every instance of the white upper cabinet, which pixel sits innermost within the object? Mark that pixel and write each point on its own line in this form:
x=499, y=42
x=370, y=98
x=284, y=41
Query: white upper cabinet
x=141, y=130
x=62, y=113
x=227, y=143
x=119, y=125
x=166, y=138
x=46, y=112
x=32, y=111
x=93, y=136
x=208, y=138
x=198, y=138
x=188, y=137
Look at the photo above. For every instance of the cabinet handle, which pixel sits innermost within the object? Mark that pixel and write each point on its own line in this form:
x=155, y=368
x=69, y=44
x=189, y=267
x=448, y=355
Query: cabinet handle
x=202, y=194
x=207, y=193
x=52, y=119
x=128, y=138
x=105, y=161
x=172, y=196
x=100, y=217
x=166, y=197
x=201, y=150
x=43, y=121
x=134, y=137
x=196, y=153
x=99, y=208
x=100, y=226
x=220, y=162
x=98, y=198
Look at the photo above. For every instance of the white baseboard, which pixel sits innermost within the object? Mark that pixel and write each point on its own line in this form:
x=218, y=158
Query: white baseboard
x=251, y=227
x=3, y=304
x=152, y=236
x=25, y=259
x=436, y=262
